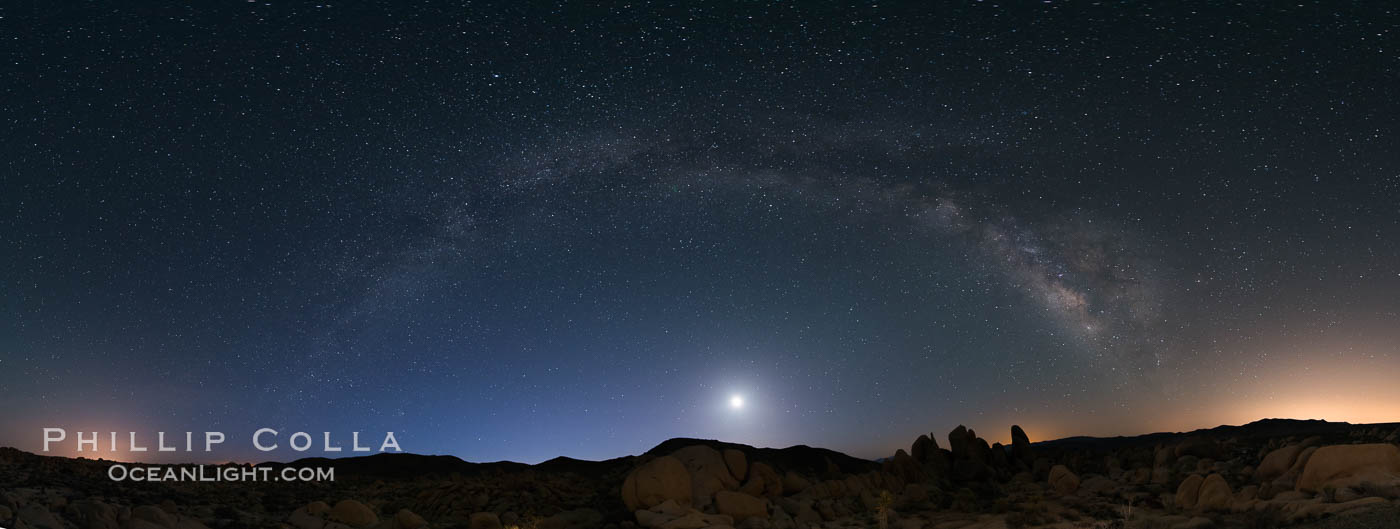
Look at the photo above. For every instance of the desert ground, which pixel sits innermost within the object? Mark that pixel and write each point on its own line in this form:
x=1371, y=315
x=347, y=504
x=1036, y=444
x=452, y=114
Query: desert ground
x=1270, y=473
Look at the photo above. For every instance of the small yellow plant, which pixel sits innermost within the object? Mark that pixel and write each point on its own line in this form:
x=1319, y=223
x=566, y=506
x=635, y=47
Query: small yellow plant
x=530, y=522
x=882, y=509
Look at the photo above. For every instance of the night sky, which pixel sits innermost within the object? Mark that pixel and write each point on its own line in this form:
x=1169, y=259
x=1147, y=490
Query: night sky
x=521, y=232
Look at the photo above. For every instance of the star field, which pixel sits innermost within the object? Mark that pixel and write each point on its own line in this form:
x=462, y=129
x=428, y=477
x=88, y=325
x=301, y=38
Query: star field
x=523, y=231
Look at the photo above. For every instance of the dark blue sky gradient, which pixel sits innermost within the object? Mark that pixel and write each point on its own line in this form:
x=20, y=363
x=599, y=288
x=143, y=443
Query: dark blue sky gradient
x=522, y=232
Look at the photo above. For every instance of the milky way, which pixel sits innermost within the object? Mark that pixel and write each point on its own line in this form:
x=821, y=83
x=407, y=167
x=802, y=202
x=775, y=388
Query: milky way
x=1093, y=278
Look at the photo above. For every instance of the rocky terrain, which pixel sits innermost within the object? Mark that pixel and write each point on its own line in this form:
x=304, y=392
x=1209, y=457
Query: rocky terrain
x=1271, y=473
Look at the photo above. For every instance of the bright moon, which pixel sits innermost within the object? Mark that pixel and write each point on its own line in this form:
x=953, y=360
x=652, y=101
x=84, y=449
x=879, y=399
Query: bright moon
x=736, y=402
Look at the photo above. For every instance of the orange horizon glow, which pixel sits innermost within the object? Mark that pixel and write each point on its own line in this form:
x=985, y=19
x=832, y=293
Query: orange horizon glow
x=1356, y=387
x=1336, y=410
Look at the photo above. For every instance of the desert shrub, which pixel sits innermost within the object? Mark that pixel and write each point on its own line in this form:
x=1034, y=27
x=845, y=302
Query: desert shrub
x=1000, y=506
x=964, y=500
x=1017, y=520
x=936, y=498
x=1368, y=489
x=1262, y=519
x=528, y=522
x=1149, y=523
x=1033, y=515
x=391, y=508
x=226, y=512
x=1101, y=511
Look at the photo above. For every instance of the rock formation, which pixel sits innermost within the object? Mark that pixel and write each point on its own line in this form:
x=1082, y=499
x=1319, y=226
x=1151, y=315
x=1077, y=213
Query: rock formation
x=1278, y=474
x=1351, y=465
x=1063, y=481
x=662, y=479
x=1021, y=447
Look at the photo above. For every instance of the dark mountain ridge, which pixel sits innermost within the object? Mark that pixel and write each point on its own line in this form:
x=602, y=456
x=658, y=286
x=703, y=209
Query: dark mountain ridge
x=799, y=457
x=1263, y=428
